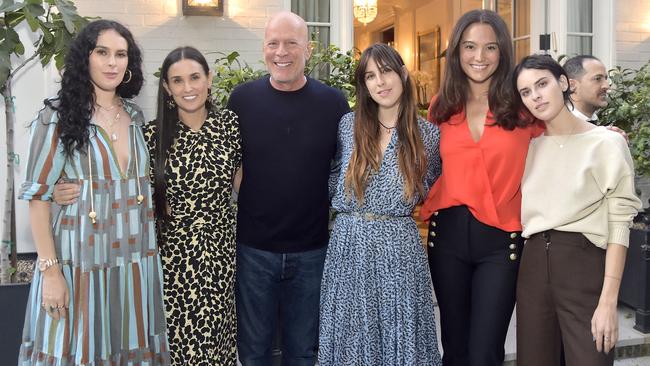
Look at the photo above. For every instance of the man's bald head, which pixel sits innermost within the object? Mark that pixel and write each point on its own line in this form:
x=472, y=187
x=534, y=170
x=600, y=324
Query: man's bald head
x=286, y=50
x=287, y=20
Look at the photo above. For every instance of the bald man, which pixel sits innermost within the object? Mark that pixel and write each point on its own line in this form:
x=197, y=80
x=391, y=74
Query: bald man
x=289, y=128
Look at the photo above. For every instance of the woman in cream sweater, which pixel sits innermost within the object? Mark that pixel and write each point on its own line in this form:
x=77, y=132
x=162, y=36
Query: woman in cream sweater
x=578, y=204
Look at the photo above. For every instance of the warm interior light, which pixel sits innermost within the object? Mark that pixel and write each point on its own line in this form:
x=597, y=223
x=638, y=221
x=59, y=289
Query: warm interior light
x=203, y=7
x=365, y=11
x=203, y=2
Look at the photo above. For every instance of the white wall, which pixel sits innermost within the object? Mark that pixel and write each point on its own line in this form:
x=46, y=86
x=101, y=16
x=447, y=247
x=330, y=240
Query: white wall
x=632, y=33
x=159, y=27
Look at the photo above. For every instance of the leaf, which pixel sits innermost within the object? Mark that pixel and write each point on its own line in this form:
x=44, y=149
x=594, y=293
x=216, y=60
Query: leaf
x=19, y=49
x=232, y=57
x=69, y=14
x=60, y=37
x=9, y=6
x=35, y=7
x=31, y=19
x=5, y=67
x=10, y=41
x=48, y=37
x=14, y=18
x=59, y=60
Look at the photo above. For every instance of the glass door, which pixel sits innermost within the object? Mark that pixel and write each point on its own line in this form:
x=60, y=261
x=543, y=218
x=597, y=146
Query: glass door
x=575, y=27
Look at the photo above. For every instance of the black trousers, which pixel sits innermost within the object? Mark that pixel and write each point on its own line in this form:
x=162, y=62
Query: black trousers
x=474, y=271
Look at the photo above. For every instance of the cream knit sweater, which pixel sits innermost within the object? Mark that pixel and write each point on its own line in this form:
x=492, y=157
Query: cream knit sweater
x=586, y=186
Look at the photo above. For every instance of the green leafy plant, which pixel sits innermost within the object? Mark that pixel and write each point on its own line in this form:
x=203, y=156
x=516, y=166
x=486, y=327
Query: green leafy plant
x=334, y=67
x=328, y=64
x=55, y=23
x=629, y=109
x=229, y=72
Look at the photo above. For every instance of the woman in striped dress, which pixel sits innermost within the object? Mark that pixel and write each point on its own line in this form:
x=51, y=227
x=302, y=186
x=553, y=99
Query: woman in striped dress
x=97, y=296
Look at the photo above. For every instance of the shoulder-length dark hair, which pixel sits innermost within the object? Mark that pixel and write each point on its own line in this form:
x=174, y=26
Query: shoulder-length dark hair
x=167, y=124
x=540, y=62
x=453, y=94
x=366, y=155
x=76, y=98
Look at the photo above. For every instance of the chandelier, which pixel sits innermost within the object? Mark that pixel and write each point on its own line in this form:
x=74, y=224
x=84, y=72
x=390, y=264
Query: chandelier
x=365, y=11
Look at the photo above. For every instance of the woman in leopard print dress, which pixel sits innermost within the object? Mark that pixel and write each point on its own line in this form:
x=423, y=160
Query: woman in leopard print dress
x=195, y=152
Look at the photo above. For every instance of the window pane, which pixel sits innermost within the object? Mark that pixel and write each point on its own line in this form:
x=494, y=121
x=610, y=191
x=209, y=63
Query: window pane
x=578, y=45
x=522, y=18
x=504, y=9
x=580, y=13
x=467, y=5
x=320, y=37
x=312, y=10
x=522, y=49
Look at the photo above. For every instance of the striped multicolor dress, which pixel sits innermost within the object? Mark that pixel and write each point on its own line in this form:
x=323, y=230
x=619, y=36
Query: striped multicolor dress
x=112, y=267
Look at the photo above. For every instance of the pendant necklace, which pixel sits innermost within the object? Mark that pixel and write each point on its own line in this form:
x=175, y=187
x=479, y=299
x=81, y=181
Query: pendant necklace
x=111, y=122
x=566, y=139
x=388, y=129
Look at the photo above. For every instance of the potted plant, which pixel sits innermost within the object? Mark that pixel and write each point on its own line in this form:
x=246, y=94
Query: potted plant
x=629, y=109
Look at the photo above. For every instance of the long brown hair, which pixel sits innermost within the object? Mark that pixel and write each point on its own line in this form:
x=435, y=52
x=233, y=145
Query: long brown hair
x=366, y=155
x=452, y=96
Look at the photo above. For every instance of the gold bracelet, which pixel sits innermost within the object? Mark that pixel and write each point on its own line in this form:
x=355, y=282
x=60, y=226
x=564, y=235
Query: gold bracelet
x=45, y=263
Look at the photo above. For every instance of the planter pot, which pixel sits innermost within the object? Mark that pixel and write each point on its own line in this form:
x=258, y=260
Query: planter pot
x=13, y=301
x=635, y=285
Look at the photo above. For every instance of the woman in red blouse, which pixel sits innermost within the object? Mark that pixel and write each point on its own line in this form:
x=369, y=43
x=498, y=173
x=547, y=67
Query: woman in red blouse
x=474, y=207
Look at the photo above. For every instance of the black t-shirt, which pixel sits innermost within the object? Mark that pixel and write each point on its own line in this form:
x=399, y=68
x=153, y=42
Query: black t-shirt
x=288, y=141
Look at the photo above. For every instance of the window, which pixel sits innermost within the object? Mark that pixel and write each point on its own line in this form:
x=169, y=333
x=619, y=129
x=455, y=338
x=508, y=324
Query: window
x=516, y=14
x=318, y=17
x=579, y=27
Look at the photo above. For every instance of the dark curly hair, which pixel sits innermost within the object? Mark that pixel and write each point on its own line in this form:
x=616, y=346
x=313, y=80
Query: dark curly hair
x=167, y=124
x=76, y=99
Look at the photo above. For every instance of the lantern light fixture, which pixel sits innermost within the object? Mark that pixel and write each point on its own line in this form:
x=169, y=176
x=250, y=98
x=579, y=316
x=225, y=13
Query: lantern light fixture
x=203, y=7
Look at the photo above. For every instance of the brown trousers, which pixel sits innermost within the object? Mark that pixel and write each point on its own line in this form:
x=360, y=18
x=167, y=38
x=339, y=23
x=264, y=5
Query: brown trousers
x=559, y=284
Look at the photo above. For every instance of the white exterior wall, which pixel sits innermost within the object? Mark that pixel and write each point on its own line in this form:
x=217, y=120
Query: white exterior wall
x=632, y=33
x=159, y=27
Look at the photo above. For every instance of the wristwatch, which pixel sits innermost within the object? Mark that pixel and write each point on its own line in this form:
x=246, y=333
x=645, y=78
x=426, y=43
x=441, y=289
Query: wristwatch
x=44, y=264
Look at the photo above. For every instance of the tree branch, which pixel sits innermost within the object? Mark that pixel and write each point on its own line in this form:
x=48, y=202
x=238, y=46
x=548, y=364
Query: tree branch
x=32, y=57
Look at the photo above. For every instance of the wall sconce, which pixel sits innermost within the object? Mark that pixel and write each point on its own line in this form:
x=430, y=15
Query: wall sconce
x=203, y=7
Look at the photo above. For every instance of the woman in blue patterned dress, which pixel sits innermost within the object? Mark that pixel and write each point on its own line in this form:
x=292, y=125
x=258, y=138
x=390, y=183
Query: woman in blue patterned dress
x=376, y=295
x=97, y=296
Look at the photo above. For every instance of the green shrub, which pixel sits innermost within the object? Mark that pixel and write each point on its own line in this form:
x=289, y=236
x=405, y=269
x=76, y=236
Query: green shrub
x=629, y=109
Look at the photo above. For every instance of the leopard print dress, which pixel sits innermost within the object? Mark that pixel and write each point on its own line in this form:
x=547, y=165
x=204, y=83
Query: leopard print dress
x=198, y=244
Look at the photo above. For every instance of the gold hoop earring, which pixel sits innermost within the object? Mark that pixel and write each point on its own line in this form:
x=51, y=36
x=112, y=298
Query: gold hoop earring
x=129, y=79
